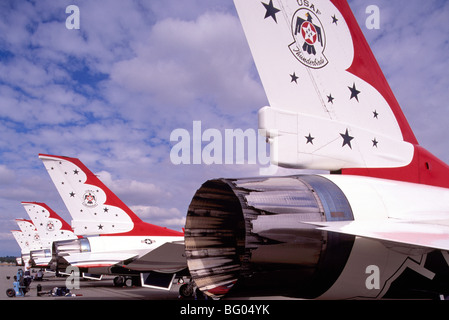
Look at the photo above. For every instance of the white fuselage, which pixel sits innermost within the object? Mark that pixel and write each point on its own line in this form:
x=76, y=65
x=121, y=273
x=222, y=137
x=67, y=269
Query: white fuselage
x=110, y=250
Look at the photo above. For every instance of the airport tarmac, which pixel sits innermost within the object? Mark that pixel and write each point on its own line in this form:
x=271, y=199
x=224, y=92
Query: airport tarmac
x=88, y=289
x=95, y=289
x=101, y=296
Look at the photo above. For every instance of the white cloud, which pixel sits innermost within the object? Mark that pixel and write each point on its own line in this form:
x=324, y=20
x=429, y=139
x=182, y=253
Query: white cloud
x=7, y=176
x=155, y=212
x=6, y=236
x=136, y=192
x=170, y=218
x=183, y=64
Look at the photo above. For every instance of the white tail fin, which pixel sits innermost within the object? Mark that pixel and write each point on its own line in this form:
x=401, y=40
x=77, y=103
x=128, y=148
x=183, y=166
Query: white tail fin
x=50, y=226
x=20, y=238
x=330, y=104
x=94, y=208
x=30, y=237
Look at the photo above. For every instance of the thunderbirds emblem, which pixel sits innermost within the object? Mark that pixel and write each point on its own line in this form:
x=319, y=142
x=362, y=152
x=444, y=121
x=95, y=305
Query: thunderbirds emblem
x=310, y=40
x=89, y=199
x=50, y=226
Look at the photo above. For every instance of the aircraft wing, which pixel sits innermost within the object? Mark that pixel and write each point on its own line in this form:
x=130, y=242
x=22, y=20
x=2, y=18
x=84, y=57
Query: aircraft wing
x=403, y=233
x=170, y=257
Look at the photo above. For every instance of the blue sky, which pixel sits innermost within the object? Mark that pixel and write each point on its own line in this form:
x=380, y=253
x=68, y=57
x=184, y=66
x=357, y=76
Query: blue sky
x=111, y=93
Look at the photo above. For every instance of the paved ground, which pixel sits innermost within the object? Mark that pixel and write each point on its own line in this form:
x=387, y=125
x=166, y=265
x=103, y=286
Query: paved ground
x=89, y=289
x=94, y=298
x=163, y=302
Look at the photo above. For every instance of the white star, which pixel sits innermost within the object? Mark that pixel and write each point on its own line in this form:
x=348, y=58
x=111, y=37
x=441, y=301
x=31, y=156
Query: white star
x=309, y=33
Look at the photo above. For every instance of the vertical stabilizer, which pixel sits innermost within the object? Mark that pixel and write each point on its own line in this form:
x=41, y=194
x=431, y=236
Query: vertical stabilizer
x=50, y=226
x=30, y=236
x=331, y=107
x=95, y=209
x=20, y=238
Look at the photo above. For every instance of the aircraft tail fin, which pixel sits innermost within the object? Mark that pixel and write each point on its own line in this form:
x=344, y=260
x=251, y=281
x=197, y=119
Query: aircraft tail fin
x=95, y=209
x=30, y=236
x=19, y=236
x=50, y=226
x=331, y=107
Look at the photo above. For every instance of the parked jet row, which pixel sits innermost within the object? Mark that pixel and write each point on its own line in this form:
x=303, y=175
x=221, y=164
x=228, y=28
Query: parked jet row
x=105, y=236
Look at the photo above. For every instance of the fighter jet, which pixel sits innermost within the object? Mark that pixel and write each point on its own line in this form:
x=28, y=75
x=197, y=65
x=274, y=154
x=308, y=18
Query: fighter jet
x=375, y=226
x=114, y=239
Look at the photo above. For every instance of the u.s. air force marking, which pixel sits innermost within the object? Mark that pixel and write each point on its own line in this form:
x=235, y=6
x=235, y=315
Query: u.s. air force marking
x=310, y=39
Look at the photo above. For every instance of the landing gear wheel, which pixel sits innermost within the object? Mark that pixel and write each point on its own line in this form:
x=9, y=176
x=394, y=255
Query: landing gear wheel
x=186, y=290
x=119, y=281
x=10, y=293
x=129, y=282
